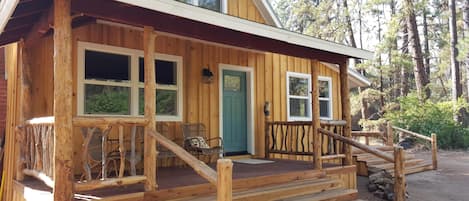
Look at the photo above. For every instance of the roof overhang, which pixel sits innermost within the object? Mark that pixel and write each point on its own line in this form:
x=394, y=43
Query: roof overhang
x=355, y=78
x=186, y=20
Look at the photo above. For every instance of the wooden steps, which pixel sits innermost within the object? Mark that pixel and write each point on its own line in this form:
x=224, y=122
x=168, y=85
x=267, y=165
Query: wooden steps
x=366, y=161
x=313, y=188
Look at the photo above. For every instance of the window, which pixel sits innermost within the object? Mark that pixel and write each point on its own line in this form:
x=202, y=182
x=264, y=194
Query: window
x=111, y=82
x=299, y=97
x=215, y=5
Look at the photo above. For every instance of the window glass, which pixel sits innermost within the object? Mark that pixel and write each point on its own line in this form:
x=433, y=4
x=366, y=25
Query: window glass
x=299, y=107
x=324, y=108
x=166, y=102
x=323, y=89
x=166, y=72
x=214, y=5
x=298, y=86
x=232, y=83
x=106, y=66
x=112, y=100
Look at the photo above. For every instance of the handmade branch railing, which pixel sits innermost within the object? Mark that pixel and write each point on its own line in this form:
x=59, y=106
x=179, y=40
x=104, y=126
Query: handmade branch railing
x=398, y=159
x=35, y=140
x=432, y=140
x=99, y=149
x=221, y=179
x=295, y=138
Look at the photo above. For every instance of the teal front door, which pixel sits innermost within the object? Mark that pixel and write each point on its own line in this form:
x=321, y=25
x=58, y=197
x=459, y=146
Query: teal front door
x=234, y=112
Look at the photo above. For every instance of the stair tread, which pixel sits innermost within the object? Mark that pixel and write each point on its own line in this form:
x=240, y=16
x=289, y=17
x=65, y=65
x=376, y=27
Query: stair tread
x=325, y=195
x=301, y=186
x=408, y=163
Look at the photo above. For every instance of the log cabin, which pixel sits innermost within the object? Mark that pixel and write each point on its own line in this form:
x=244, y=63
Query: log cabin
x=90, y=84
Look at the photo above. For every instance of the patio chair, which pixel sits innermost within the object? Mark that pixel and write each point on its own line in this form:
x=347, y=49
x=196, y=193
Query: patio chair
x=197, y=143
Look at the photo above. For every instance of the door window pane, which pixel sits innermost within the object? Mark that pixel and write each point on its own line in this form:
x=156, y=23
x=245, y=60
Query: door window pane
x=232, y=83
x=106, y=66
x=298, y=86
x=109, y=100
x=299, y=107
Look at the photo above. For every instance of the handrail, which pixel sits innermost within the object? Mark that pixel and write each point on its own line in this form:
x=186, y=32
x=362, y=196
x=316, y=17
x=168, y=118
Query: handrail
x=199, y=167
x=361, y=146
x=322, y=122
x=93, y=121
x=412, y=133
x=370, y=134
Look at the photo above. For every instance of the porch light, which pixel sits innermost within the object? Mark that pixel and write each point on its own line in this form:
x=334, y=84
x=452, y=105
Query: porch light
x=207, y=76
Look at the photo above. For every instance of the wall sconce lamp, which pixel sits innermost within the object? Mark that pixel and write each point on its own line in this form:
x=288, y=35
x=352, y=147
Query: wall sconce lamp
x=207, y=75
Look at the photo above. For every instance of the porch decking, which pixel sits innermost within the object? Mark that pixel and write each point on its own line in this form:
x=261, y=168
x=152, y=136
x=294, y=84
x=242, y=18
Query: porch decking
x=176, y=181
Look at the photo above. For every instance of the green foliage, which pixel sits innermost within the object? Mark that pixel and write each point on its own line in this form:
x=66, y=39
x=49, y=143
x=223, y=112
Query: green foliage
x=114, y=102
x=429, y=117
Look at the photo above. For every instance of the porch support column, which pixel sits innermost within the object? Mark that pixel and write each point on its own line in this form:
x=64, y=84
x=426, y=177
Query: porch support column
x=317, y=140
x=63, y=146
x=150, y=108
x=345, y=102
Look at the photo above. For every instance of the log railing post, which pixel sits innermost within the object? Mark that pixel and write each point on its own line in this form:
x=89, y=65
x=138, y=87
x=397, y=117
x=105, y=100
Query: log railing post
x=224, y=180
x=346, y=114
x=316, y=123
x=150, y=108
x=389, y=134
x=399, y=174
x=267, y=128
x=63, y=101
x=434, y=151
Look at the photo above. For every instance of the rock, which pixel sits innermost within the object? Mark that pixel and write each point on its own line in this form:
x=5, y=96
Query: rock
x=372, y=187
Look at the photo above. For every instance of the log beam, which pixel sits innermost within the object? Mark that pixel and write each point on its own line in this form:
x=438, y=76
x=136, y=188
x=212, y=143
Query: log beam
x=399, y=174
x=434, y=152
x=346, y=115
x=150, y=107
x=63, y=88
x=317, y=139
x=224, y=180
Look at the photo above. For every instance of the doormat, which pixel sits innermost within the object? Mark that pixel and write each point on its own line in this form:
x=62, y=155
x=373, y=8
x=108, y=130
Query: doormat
x=252, y=161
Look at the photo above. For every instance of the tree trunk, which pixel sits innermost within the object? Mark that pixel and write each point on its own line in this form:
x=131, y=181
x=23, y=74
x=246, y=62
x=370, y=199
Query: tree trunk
x=421, y=79
x=405, y=51
x=466, y=31
x=455, y=75
x=425, y=43
x=394, y=68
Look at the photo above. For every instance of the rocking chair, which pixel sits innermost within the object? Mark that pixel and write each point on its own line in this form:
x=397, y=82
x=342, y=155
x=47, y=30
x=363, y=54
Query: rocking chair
x=196, y=141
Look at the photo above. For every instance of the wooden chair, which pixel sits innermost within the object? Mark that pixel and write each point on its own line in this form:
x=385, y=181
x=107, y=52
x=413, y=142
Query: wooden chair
x=196, y=141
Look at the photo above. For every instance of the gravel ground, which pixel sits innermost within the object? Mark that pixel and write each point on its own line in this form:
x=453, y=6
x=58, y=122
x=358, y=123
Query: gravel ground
x=449, y=183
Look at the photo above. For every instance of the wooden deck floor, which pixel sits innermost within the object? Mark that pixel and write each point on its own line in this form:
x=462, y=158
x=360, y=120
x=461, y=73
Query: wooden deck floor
x=172, y=177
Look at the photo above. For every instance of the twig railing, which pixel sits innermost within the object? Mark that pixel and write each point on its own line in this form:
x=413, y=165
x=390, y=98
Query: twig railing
x=398, y=159
x=221, y=179
x=36, y=145
x=100, y=150
x=432, y=140
x=295, y=138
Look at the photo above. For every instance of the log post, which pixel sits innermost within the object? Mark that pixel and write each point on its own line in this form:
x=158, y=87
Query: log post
x=389, y=134
x=316, y=123
x=346, y=115
x=434, y=151
x=399, y=174
x=63, y=89
x=266, y=129
x=224, y=180
x=150, y=108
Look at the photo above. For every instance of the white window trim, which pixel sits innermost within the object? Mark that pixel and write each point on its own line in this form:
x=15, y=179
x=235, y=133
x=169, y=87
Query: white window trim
x=329, y=80
x=308, y=77
x=133, y=84
x=223, y=9
x=304, y=76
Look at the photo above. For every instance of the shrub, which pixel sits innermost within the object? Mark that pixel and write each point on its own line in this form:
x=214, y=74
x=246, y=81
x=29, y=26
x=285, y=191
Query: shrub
x=429, y=117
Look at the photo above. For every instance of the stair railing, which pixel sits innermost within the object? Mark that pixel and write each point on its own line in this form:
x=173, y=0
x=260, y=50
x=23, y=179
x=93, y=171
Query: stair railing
x=397, y=159
x=222, y=179
x=432, y=140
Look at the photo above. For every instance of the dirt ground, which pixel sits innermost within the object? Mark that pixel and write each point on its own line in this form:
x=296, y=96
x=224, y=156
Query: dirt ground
x=449, y=183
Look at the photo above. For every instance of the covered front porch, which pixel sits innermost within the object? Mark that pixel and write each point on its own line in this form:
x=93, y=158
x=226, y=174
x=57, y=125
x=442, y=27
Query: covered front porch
x=45, y=147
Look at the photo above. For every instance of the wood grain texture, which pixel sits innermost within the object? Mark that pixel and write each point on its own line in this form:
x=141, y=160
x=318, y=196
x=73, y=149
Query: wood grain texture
x=225, y=180
x=399, y=174
x=63, y=88
x=346, y=114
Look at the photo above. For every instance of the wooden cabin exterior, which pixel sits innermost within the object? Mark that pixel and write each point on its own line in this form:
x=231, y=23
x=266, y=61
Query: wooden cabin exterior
x=203, y=64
